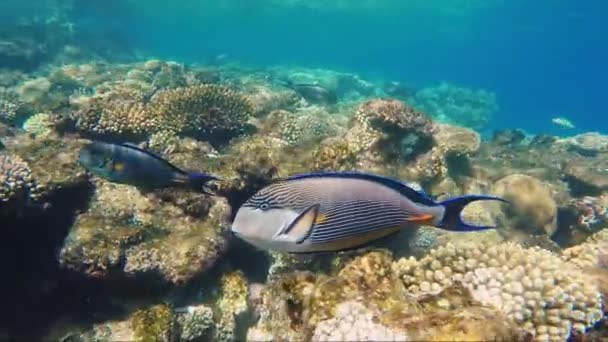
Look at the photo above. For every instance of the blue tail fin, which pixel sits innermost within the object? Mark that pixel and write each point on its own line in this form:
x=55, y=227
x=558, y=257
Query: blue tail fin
x=452, y=219
x=198, y=182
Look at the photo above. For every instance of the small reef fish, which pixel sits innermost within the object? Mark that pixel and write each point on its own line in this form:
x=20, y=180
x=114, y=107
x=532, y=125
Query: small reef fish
x=563, y=123
x=129, y=164
x=313, y=92
x=335, y=211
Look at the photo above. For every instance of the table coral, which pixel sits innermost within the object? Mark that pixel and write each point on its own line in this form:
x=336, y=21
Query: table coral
x=201, y=109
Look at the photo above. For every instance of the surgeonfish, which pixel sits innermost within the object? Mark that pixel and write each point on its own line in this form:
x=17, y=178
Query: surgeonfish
x=129, y=164
x=325, y=212
x=313, y=92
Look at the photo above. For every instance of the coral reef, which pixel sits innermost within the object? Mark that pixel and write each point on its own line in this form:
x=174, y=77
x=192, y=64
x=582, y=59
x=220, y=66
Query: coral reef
x=532, y=206
x=201, y=110
x=354, y=322
x=39, y=125
x=125, y=233
x=16, y=181
x=456, y=105
x=10, y=105
x=534, y=287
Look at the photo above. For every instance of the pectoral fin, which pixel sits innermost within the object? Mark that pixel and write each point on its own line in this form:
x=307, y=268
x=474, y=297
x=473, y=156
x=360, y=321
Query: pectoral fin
x=301, y=227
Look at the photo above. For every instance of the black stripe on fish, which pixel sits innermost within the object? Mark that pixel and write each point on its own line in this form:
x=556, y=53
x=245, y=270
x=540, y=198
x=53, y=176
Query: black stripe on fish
x=414, y=195
x=361, y=217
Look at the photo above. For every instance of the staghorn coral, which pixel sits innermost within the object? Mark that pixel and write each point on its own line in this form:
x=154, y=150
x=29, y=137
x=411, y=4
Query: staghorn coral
x=354, y=322
x=534, y=287
x=201, y=110
x=533, y=208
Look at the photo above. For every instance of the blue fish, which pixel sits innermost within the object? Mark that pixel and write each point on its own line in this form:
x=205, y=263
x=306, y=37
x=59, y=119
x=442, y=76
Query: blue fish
x=129, y=164
x=334, y=211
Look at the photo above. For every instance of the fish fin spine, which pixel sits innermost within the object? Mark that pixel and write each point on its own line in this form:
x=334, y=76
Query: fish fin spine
x=301, y=227
x=452, y=219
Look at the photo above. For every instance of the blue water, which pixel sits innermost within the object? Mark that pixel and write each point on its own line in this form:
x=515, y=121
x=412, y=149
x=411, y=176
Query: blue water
x=542, y=58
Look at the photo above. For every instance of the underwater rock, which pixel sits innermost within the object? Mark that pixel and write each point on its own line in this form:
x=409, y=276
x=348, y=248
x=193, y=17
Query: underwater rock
x=587, y=144
x=307, y=126
x=586, y=176
x=472, y=108
x=532, y=207
x=232, y=303
x=544, y=295
x=582, y=217
x=265, y=100
x=195, y=322
x=508, y=137
x=53, y=162
x=126, y=234
x=396, y=89
x=354, y=322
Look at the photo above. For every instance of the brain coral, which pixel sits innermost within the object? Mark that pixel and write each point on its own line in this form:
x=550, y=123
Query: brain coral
x=201, y=109
x=537, y=289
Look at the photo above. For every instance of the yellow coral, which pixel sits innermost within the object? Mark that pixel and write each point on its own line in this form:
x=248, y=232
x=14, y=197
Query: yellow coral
x=152, y=324
x=40, y=125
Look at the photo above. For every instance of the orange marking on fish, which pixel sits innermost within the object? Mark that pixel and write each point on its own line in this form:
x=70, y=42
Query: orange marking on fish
x=119, y=166
x=425, y=218
x=321, y=218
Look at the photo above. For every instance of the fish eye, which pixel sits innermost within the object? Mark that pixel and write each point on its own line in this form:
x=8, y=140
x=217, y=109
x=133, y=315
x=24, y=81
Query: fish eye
x=264, y=206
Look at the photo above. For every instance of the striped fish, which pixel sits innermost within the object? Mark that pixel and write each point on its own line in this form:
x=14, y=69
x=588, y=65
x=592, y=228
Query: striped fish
x=325, y=212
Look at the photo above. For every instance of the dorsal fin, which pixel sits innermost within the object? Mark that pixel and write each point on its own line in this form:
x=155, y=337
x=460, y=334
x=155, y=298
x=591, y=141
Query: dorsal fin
x=417, y=196
x=153, y=155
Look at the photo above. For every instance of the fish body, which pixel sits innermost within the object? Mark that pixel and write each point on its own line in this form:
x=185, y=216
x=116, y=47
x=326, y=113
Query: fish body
x=313, y=92
x=129, y=164
x=563, y=123
x=339, y=211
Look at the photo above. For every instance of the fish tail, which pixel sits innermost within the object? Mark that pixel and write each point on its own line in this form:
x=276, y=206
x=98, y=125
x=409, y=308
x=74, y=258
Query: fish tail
x=197, y=181
x=452, y=219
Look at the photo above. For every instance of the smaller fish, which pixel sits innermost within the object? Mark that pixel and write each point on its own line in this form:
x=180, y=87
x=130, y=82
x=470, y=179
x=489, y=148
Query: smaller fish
x=130, y=164
x=314, y=93
x=563, y=123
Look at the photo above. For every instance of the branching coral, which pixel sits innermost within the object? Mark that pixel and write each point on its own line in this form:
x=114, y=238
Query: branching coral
x=457, y=105
x=201, y=109
x=9, y=105
x=534, y=287
x=16, y=180
x=115, y=116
